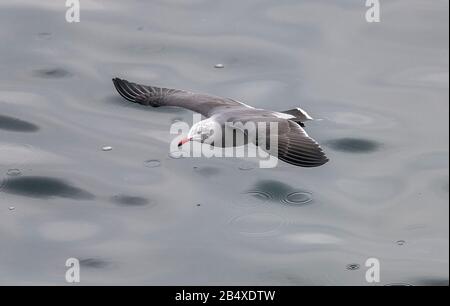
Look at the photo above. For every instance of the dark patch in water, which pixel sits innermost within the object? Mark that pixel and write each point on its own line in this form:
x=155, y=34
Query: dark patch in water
x=207, y=171
x=95, y=263
x=16, y=125
x=276, y=189
x=429, y=281
x=55, y=73
x=353, y=145
x=130, y=200
x=44, y=187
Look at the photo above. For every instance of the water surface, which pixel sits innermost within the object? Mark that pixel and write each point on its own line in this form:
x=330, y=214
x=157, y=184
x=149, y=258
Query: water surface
x=133, y=215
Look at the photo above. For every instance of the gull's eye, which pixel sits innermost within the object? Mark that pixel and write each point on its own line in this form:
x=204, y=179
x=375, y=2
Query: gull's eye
x=199, y=132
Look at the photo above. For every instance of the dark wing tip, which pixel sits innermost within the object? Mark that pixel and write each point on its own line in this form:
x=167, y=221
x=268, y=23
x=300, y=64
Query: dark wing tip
x=129, y=91
x=301, y=150
x=302, y=160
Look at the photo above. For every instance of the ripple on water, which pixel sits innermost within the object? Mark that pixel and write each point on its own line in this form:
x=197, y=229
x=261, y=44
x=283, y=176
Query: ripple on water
x=353, y=267
x=353, y=145
x=13, y=172
x=252, y=198
x=152, y=163
x=278, y=190
x=257, y=224
x=400, y=242
x=283, y=193
x=298, y=198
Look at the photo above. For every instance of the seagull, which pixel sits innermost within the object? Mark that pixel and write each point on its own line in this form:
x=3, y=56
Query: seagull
x=294, y=146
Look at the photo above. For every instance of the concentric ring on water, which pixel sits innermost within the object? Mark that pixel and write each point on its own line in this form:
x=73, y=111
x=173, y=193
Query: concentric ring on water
x=298, y=198
x=152, y=163
x=400, y=242
x=353, y=267
x=252, y=198
x=257, y=224
x=13, y=172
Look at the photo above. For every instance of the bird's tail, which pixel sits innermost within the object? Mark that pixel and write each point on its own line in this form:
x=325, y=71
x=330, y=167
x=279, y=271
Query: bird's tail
x=299, y=114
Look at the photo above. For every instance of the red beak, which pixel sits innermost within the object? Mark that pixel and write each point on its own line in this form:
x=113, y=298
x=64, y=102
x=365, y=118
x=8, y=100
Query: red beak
x=183, y=141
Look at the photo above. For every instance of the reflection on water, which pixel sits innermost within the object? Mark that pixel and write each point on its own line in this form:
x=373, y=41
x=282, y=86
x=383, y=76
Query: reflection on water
x=353, y=145
x=147, y=216
x=52, y=73
x=94, y=263
x=130, y=200
x=17, y=125
x=44, y=187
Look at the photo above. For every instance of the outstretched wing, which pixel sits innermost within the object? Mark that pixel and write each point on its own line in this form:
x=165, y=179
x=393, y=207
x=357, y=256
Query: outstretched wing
x=288, y=142
x=204, y=104
x=297, y=148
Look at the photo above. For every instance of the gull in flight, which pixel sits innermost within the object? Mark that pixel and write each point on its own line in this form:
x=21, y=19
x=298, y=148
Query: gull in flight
x=293, y=145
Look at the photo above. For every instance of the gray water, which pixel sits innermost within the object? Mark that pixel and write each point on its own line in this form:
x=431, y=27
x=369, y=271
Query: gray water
x=133, y=215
